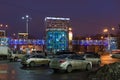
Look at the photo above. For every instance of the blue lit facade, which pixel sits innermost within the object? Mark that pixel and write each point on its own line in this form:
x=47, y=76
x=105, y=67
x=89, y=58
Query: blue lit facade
x=26, y=41
x=4, y=41
x=90, y=42
x=57, y=34
x=24, y=44
x=56, y=40
x=113, y=43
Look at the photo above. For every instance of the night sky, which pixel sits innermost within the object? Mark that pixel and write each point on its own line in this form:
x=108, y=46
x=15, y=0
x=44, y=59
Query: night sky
x=87, y=16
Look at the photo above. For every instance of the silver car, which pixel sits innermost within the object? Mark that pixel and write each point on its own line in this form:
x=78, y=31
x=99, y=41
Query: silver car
x=35, y=59
x=69, y=62
x=94, y=58
x=115, y=55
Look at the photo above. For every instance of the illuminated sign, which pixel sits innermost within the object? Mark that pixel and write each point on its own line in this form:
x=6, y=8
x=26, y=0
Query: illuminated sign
x=23, y=41
x=56, y=18
x=23, y=35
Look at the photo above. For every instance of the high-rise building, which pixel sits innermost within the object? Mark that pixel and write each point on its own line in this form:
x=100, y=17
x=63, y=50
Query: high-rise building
x=57, y=33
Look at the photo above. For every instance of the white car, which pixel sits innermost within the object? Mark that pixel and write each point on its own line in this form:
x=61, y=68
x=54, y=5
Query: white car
x=94, y=58
x=34, y=59
x=16, y=56
x=69, y=62
x=115, y=55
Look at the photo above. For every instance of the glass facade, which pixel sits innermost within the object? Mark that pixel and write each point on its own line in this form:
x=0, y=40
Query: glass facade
x=57, y=34
x=56, y=40
x=4, y=41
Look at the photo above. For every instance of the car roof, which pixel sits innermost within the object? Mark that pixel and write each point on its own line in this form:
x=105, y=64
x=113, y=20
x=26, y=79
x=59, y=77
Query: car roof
x=64, y=52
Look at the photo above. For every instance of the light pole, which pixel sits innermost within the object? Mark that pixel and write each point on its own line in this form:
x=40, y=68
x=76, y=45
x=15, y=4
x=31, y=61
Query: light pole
x=27, y=18
x=106, y=30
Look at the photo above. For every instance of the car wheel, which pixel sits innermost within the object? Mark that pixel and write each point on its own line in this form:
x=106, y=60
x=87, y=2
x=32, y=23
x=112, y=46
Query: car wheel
x=32, y=64
x=15, y=59
x=69, y=68
x=55, y=70
x=88, y=67
x=48, y=63
x=24, y=65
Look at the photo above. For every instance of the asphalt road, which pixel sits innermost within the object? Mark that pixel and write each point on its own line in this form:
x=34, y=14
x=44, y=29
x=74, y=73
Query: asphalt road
x=107, y=59
x=15, y=71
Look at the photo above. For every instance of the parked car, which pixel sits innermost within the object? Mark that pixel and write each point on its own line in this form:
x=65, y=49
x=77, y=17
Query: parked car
x=15, y=56
x=69, y=62
x=34, y=59
x=93, y=57
x=38, y=52
x=115, y=55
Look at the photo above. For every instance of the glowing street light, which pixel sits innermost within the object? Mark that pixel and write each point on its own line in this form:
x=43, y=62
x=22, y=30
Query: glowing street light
x=102, y=37
x=113, y=28
x=6, y=26
x=88, y=38
x=3, y=25
x=27, y=18
x=105, y=30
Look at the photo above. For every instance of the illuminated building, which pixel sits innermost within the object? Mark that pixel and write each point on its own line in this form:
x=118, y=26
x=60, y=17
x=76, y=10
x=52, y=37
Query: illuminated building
x=57, y=33
x=2, y=33
x=92, y=45
x=70, y=37
x=23, y=35
x=4, y=41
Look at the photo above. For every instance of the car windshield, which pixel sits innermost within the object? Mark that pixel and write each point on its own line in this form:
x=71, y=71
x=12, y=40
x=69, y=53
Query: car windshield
x=63, y=56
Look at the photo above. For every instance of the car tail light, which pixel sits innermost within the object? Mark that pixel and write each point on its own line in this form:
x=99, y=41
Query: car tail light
x=62, y=61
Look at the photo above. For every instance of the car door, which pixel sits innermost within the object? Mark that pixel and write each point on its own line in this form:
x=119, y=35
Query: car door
x=41, y=59
x=73, y=61
x=79, y=62
x=91, y=58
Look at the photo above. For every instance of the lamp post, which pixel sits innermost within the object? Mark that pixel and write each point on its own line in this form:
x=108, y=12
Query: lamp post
x=27, y=18
x=106, y=30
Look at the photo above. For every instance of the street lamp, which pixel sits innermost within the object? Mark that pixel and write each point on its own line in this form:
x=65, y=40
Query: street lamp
x=106, y=30
x=27, y=18
x=102, y=37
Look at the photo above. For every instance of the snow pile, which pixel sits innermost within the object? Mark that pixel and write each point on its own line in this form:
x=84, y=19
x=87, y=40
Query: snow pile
x=107, y=72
